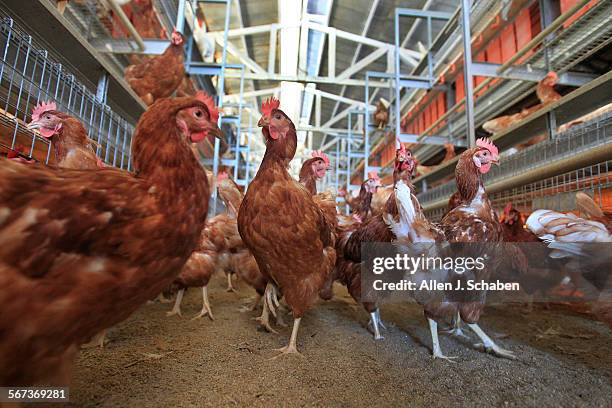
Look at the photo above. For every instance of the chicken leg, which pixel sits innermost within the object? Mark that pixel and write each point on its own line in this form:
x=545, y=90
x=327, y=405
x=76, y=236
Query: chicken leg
x=437, y=351
x=489, y=345
x=206, y=310
x=176, y=310
x=291, y=348
x=230, y=286
x=456, y=330
x=264, y=319
x=99, y=340
x=253, y=306
x=374, y=322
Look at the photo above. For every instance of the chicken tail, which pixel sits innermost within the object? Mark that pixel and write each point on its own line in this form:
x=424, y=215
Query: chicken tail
x=404, y=229
x=586, y=205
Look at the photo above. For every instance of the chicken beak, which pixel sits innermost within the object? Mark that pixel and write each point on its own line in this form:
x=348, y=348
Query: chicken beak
x=33, y=125
x=263, y=121
x=218, y=133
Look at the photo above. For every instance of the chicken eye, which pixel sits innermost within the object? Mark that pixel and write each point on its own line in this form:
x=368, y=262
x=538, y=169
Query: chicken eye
x=198, y=113
x=277, y=116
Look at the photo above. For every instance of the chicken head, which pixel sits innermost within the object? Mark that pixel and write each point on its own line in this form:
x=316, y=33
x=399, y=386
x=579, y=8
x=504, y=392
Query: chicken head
x=485, y=155
x=198, y=122
x=46, y=119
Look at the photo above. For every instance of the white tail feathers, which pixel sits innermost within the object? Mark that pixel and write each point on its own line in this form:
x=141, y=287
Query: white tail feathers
x=552, y=226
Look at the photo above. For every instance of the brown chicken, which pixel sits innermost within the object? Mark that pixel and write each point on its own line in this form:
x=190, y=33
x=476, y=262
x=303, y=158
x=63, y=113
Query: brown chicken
x=314, y=169
x=474, y=221
x=144, y=20
x=197, y=273
x=72, y=147
x=160, y=76
x=381, y=196
x=374, y=229
x=286, y=228
x=546, y=94
x=361, y=206
x=546, y=89
x=92, y=246
x=219, y=242
x=381, y=115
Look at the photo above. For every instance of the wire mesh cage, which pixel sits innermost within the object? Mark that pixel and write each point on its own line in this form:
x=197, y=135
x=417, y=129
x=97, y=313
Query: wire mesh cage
x=587, y=136
x=28, y=75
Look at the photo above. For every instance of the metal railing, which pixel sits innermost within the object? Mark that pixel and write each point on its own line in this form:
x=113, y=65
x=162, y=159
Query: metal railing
x=590, y=135
x=28, y=75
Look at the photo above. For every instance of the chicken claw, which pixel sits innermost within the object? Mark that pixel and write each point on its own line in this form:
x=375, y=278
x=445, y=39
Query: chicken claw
x=264, y=319
x=206, y=310
x=437, y=351
x=230, y=286
x=176, y=310
x=456, y=330
x=291, y=348
x=252, y=307
x=488, y=345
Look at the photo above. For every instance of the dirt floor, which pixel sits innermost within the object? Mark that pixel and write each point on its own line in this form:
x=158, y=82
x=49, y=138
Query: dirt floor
x=157, y=361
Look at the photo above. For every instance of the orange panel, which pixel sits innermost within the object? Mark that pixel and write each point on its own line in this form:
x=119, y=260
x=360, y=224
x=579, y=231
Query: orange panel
x=508, y=43
x=494, y=54
x=427, y=115
x=441, y=104
x=522, y=28
x=459, y=88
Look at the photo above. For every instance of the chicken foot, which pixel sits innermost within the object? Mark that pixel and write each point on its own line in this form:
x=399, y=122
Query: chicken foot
x=456, y=330
x=230, y=286
x=437, y=351
x=176, y=310
x=291, y=348
x=99, y=340
x=206, y=310
x=264, y=319
x=489, y=345
x=252, y=306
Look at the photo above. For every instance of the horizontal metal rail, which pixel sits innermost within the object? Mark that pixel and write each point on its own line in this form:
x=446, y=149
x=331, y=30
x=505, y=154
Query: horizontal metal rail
x=578, y=147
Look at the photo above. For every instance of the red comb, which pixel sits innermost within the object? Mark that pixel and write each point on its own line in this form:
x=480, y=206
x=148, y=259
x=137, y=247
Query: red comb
x=486, y=143
x=402, y=148
x=41, y=108
x=269, y=105
x=210, y=104
x=320, y=155
x=373, y=175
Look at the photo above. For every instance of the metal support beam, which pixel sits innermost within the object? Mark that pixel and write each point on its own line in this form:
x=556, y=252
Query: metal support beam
x=432, y=140
x=369, y=59
x=102, y=89
x=467, y=72
x=331, y=54
x=272, y=54
x=520, y=73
